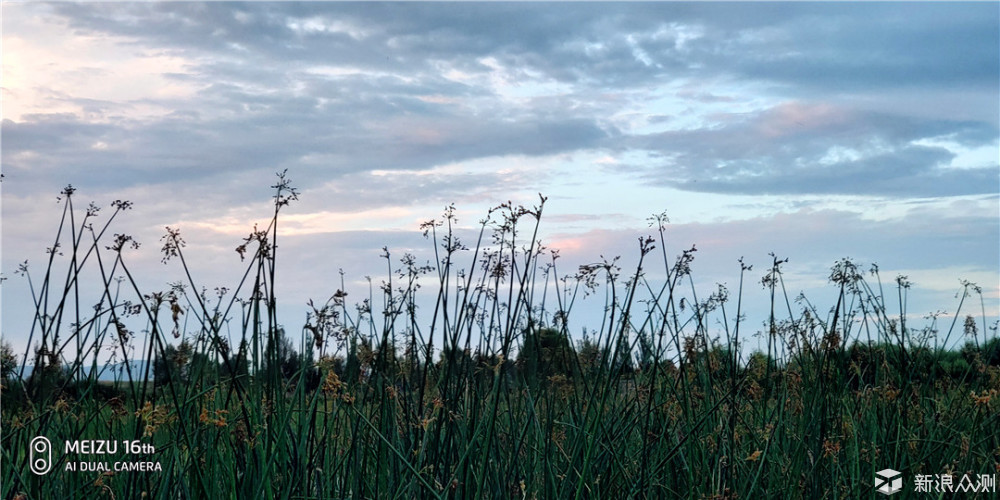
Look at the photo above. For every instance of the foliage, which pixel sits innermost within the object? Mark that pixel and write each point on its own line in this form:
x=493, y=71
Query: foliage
x=8, y=360
x=546, y=353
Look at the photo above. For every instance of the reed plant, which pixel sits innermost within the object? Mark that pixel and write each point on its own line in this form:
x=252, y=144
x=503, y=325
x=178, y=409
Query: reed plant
x=485, y=393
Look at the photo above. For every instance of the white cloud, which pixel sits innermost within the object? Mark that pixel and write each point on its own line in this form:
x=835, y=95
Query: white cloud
x=97, y=77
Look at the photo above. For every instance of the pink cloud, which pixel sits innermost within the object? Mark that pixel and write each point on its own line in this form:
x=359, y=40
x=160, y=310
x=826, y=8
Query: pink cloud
x=793, y=117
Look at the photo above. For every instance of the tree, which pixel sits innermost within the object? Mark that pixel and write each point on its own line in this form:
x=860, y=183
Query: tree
x=238, y=365
x=8, y=360
x=48, y=378
x=172, y=363
x=545, y=352
x=282, y=361
x=590, y=355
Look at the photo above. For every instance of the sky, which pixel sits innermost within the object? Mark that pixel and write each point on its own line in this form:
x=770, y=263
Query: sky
x=813, y=131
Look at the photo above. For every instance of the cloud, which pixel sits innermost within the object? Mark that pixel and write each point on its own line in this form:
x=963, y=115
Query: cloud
x=819, y=148
x=362, y=86
x=823, y=46
x=331, y=90
x=383, y=113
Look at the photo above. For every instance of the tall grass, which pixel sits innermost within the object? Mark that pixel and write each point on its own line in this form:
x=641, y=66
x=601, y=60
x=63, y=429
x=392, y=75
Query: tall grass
x=484, y=394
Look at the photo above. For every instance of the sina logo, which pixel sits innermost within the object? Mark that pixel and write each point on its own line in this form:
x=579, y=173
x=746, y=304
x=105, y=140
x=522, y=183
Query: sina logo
x=888, y=481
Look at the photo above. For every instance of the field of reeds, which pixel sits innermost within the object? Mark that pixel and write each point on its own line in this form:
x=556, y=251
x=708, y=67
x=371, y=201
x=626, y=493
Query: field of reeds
x=481, y=392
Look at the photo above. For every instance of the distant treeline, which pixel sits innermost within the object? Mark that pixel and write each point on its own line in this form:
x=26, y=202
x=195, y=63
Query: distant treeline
x=546, y=356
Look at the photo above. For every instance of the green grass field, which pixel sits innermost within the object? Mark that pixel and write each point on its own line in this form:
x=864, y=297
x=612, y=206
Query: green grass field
x=485, y=394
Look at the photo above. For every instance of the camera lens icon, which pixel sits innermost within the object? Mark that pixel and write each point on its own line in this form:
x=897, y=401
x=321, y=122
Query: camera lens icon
x=41, y=455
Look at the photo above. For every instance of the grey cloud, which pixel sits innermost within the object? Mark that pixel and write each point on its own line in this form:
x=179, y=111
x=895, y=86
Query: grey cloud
x=911, y=171
x=808, y=45
x=228, y=129
x=63, y=131
x=824, y=48
x=261, y=108
x=787, y=149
